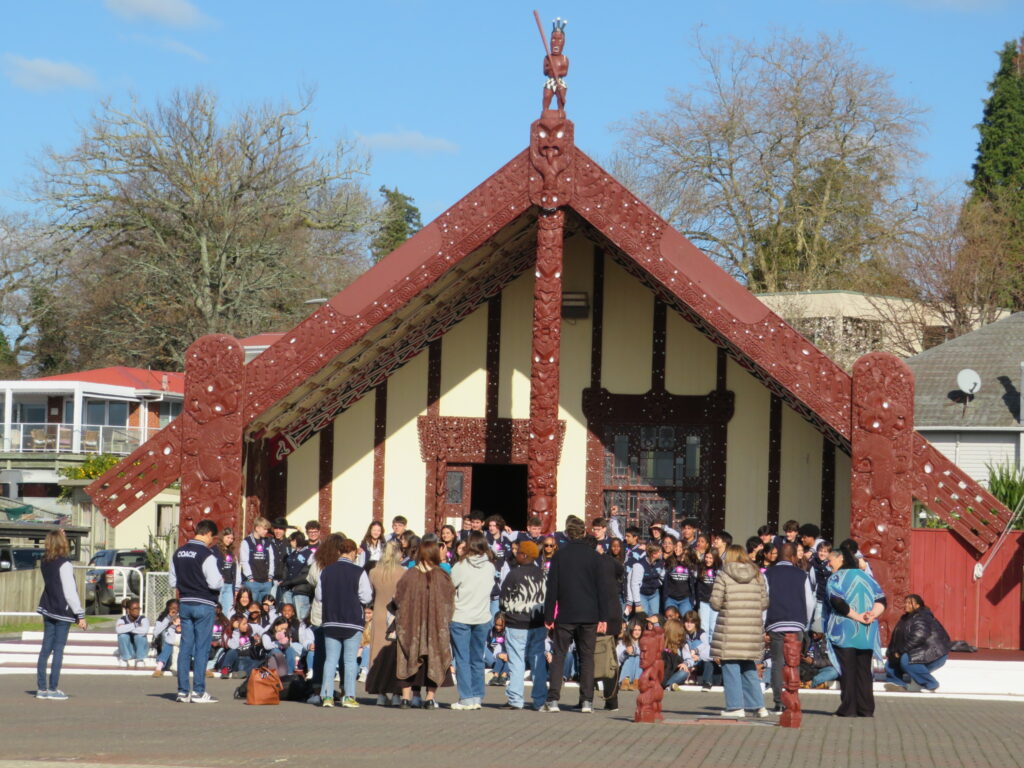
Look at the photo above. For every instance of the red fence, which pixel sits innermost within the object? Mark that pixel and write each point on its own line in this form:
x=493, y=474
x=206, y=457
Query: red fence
x=985, y=613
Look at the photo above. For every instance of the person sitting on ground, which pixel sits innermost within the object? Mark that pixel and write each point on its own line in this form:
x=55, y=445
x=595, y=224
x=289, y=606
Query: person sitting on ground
x=497, y=655
x=166, y=636
x=919, y=645
x=221, y=626
x=245, y=649
x=132, y=630
x=697, y=650
x=816, y=670
x=676, y=670
x=628, y=653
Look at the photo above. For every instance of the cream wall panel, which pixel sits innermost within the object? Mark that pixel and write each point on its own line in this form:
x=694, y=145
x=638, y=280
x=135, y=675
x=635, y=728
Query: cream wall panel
x=404, y=469
x=516, y=340
x=303, y=493
x=842, y=523
x=628, y=331
x=352, y=490
x=691, y=360
x=800, y=476
x=746, y=483
x=463, y=367
x=574, y=371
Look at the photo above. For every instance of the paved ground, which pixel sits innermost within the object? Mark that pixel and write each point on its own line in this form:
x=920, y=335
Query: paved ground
x=134, y=721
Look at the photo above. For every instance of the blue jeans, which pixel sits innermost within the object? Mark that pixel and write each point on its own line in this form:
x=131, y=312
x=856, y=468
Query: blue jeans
x=570, y=668
x=679, y=677
x=742, y=688
x=684, y=605
x=291, y=655
x=131, y=647
x=347, y=651
x=301, y=606
x=919, y=673
x=235, y=663
x=164, y=657
x=55, y=637
x=526, y=649
x=708, y=618
x=630, y=668
x=194, y=652
x=650, y=604
x=259, y=589
x=227, y=600
x=828, y=674
x=469, y=641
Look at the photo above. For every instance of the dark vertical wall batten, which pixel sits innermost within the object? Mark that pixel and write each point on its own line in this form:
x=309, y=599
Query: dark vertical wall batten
x=597, y=323
x=380, y=433
x=828, y=489
x=658, y=346
x=493, y=356
x=774, y=459
x=325, y=477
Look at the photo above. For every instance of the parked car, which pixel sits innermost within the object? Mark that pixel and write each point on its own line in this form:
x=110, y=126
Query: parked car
x=20, y=558
x=105, y=585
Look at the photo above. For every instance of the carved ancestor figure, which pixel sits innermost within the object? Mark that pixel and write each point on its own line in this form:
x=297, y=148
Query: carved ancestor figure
x=792, y=713
x=648, y=703
x=556, y=66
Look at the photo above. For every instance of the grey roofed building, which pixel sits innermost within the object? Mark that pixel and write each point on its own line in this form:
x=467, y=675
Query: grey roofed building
x=986, y=429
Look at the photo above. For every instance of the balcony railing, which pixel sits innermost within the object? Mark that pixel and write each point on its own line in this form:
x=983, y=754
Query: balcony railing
x=59, y=438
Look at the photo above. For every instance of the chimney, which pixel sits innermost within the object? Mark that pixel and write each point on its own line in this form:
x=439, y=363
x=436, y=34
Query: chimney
x=164, y=383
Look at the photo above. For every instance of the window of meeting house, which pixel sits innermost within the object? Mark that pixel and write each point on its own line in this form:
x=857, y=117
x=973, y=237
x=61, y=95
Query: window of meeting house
x=655, y=473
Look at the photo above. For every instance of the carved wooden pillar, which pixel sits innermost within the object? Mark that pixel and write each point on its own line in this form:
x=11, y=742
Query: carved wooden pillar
x=882, y=477
x=551, y=187
x=213, y=423
x=793, y=712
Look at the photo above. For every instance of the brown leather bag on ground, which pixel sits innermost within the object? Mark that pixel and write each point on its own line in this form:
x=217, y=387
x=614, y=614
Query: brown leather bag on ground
x=264, y=687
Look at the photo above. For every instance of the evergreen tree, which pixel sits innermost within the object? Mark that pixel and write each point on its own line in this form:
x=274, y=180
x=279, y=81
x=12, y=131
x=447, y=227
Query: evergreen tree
x=998, y=183
x=9, y=367
x=400, y=220
x=1000, y=164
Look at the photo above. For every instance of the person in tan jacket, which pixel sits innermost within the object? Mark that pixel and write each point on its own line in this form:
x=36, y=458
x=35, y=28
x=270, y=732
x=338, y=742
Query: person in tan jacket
x=740, y=597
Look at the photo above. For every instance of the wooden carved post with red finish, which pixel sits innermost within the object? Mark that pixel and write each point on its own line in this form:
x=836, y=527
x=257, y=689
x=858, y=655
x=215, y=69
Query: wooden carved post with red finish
x=652, y=664
x=792, y=713
x=551, y=187
x=882, y=479
x=212, y=427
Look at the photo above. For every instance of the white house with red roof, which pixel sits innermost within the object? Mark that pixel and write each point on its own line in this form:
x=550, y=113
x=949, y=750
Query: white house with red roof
x=53, y=422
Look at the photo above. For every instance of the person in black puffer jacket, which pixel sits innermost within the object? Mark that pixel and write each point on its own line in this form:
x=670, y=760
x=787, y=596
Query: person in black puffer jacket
x=919, y=646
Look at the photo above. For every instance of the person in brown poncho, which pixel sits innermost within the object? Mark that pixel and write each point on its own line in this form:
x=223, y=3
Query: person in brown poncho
x=424, y=602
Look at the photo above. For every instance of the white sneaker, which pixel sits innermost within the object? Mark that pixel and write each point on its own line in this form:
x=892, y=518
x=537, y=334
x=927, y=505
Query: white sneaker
x=458, y=706
x=203, y=698
x=763, y=713
x=123, y=663
x=42, y=693
x=733, y=713
x=550, y=706
x=586, y=708
x=183, y=698
x=57, y=695
x=139, y=663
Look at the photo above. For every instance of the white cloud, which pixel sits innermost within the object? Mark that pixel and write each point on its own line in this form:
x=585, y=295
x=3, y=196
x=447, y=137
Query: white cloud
x=173, y=13
x=409, y=141
x=175, y=46
x=45, y=74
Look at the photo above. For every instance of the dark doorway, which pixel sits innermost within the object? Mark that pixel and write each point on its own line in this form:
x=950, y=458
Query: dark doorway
x=500, y=489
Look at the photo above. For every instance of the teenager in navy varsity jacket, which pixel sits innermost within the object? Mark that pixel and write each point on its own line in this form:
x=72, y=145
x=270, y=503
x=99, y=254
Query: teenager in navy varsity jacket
x=646, y=577
x=256, y=557
x=132, y=629
x=790, y=607
x=60, y=607
x=343, y=591
x=195, y=574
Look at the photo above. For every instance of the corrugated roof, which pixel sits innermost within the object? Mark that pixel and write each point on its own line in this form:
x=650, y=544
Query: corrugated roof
x=995, y=351
x=123, y=376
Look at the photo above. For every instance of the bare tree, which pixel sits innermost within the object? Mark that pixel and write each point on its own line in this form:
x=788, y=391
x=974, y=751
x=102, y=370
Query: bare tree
x=788, y=165
x=181, y=222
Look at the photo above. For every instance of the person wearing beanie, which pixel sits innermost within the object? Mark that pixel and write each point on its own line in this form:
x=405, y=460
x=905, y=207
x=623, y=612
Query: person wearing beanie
x=522, y=603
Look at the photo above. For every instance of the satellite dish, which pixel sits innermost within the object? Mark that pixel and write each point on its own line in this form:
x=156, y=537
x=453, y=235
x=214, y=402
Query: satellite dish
x=968, y=381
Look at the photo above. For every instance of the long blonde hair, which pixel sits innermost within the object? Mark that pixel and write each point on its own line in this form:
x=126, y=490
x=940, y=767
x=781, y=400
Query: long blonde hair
x=56, y=545
x=391, y=559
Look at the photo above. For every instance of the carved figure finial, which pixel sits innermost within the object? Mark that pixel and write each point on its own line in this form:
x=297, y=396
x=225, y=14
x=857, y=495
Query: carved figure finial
x=556, y=64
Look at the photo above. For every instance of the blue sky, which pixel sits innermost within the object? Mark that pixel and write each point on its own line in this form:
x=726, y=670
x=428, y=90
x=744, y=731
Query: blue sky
x=443, y=92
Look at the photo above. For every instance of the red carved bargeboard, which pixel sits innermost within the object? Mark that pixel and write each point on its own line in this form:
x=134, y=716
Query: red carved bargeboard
x=882, y=482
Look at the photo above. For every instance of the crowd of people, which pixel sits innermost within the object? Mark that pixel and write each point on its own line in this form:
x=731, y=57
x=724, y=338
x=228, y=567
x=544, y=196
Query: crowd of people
x=487, y=605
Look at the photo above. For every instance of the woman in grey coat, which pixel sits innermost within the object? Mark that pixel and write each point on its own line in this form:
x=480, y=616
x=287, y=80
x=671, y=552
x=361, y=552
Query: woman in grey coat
x=740, y=597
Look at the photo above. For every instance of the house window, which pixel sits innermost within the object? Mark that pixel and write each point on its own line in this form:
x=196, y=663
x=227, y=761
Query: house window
x=106, y=412
x=654, y=472
x=39, y=490
x=168, y=411
x=166, y=518
x=30, y=413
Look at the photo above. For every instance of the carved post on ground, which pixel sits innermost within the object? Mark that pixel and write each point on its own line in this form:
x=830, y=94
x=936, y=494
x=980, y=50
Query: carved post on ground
x=792, y=713
x=212, y=428
x=551, y=186
x=882, y=477
x=652, y=665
